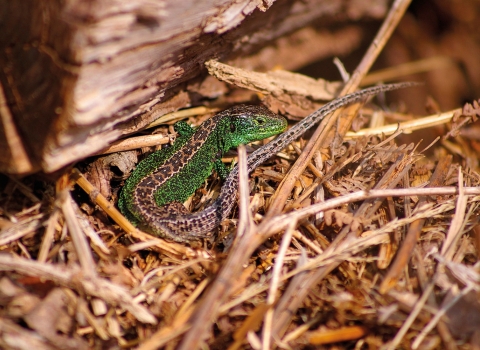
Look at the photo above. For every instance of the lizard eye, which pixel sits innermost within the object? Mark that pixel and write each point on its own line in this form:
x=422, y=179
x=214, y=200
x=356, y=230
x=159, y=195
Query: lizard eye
x=260, y=121
x=232, y=127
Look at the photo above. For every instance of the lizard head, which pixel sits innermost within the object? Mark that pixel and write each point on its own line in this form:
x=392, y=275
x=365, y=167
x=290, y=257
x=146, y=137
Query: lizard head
x=252, y=123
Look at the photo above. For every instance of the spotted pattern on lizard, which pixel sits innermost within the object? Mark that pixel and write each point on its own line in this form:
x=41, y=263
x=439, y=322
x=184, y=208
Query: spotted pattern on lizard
x=168, y=177
x=166, y=217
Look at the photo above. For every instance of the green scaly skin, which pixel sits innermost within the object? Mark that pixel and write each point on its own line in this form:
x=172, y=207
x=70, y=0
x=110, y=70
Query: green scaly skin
x=166, y=178
x=171, y=220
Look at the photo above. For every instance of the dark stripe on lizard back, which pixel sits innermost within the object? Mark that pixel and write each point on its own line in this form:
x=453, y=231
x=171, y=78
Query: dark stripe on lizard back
x=187, y=227
x=146, y=188
x=167, y=177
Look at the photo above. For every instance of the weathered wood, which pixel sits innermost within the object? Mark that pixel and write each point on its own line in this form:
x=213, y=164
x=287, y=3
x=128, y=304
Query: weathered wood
x=74, y=72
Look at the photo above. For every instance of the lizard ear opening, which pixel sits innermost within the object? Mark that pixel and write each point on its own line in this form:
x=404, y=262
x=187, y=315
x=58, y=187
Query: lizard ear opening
x=233, y=127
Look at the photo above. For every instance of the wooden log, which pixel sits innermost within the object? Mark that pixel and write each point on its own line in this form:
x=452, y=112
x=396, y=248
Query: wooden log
x=76, y=73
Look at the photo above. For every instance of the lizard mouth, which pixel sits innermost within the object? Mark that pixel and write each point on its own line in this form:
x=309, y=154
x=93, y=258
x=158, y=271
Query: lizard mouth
x=270, y=128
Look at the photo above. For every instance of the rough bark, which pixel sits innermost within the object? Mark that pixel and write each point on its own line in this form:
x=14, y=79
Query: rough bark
x=75, y=72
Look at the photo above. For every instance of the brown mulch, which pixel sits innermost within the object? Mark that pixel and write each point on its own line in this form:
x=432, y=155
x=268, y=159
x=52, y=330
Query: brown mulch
x=345, y=260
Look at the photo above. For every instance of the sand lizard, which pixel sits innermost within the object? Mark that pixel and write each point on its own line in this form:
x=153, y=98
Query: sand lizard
x=153, y=194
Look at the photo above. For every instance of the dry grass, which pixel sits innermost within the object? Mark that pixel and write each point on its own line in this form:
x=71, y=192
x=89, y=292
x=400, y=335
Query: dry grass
x=364, y=242
x=351, y=261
